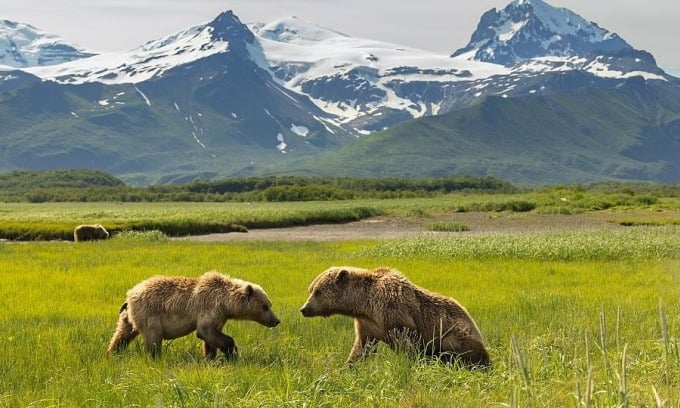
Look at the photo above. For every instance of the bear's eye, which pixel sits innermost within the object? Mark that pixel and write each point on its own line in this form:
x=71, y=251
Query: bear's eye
x=265, y=308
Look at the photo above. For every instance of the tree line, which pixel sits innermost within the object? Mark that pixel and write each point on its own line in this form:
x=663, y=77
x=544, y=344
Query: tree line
x=80, y=185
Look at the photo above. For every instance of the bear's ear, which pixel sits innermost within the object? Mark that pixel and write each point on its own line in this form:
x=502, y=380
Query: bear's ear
x=249, y=290
x=343, y=276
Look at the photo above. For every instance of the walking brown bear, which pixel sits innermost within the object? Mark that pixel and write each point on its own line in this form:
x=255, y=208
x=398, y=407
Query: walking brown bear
x=89, y=232
x=387, y=307
x=162, y=308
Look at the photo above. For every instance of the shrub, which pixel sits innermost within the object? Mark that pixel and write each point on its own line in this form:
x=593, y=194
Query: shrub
x=443, y=226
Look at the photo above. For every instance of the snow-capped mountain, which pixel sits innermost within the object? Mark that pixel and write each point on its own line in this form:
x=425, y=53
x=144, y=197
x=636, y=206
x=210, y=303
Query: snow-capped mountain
x=228, y=98
x=365, y=85
x=22, y=45
x=154, y=58
x=194, y=104
x=371, y=85
x=528, y=29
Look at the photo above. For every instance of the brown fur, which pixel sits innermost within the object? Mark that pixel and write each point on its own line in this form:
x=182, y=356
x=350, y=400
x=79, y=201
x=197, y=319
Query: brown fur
x=387, y=307
x=90, y=233
x=165, y=307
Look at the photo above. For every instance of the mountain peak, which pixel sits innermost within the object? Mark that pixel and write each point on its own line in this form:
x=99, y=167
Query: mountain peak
x=22, y=45
x=527, y=29
x=227, y=27
x=224, y=34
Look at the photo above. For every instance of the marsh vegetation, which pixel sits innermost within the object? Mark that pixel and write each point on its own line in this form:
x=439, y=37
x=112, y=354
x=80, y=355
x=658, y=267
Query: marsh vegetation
x=587, y=317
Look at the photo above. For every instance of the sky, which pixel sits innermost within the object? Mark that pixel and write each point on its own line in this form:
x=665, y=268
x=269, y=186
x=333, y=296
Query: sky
x=440, y=26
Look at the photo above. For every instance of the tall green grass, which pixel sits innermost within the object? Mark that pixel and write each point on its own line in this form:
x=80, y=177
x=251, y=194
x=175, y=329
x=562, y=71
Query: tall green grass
x=627, y=244
x=56, y=221
x=594, y=330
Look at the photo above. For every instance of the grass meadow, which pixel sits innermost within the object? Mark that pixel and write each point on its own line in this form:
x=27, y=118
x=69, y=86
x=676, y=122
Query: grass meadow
x=589, y=319
x=54, y=221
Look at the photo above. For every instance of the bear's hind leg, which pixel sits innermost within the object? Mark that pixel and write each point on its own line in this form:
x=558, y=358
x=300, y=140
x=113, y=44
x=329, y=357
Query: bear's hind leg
x=153, y=344
x=124, y=334
x=215, y=339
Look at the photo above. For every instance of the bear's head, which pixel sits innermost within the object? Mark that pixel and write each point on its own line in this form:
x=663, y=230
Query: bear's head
x=337, y=290
x=256, y=306
x=101, y=232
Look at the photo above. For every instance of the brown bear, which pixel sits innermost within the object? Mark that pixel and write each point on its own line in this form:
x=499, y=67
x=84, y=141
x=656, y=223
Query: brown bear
x=164, y=307
x=90, y=232
x=387, y=307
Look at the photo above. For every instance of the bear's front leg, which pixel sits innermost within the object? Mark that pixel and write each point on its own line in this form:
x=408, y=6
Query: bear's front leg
x=209, y=351
x=153, y=337
x=214, y=339
x=365, y=342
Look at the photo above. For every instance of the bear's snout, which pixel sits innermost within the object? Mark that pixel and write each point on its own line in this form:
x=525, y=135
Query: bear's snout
x=306, y=311
x=274, y=322
x=270, y=321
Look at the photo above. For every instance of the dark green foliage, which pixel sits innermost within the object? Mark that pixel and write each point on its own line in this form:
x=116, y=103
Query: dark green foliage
x=50, y=179
x=510, y=205
x=295, y=188
x=90, y=186
x=443, y=226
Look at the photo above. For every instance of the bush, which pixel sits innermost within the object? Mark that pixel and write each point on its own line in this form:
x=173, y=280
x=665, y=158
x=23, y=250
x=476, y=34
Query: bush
x=443, y=226
x=499, y=206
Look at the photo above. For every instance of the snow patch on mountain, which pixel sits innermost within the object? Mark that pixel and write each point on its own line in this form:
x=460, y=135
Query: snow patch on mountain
x=301, y=131
x=599, y=66
x=281, y=146
x=143, y=95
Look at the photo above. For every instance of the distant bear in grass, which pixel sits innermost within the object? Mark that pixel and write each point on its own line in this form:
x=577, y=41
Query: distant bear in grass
x=387, y=307
x=165, y=307
x=90, y=233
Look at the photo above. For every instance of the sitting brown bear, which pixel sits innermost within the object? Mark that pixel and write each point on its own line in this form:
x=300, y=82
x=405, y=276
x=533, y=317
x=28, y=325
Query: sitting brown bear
x=165, y=307
x=90, y=233
x=387, y=307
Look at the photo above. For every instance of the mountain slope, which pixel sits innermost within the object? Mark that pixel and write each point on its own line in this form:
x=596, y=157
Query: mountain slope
x=628, y=133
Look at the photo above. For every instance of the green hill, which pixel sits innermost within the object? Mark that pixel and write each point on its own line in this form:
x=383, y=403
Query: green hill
x=628, y=133
x=173, y=129
x=66, y=178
